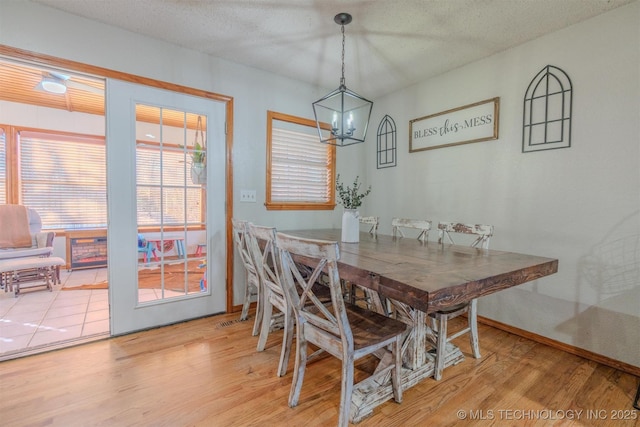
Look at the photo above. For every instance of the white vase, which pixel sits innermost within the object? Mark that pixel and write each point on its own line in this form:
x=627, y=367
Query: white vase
x=199, y=173
x=350, y=226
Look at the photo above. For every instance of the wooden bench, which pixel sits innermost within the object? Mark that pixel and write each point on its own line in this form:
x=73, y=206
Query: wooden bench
x=18, y=271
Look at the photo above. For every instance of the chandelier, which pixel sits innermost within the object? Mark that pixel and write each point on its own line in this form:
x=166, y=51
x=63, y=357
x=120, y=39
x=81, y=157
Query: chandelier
x=342, y=116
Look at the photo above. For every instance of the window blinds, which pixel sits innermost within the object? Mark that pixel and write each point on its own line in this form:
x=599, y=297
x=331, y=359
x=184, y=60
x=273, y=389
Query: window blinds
x=63, y=177
x=299, y=167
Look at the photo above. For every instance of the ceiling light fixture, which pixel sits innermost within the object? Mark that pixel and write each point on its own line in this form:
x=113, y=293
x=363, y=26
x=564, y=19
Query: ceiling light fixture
x=53, y=85
x=345, y=112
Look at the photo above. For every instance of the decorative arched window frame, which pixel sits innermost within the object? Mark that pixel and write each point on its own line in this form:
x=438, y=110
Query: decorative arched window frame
x=548, y=104
x=387, y=146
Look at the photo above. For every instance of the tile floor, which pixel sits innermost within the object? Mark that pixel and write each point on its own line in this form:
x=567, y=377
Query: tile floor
x=38, y=319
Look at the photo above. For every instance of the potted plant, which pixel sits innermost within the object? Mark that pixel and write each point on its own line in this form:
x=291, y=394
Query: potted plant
x=199, y=157
x=351, y=198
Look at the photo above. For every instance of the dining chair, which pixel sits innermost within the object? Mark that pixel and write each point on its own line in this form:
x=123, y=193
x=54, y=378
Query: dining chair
x=252, y=289
x=372, y=221
x=439, y=319
x=262, y=241
x=424, y=226
x=351, y=289
x=345, y=331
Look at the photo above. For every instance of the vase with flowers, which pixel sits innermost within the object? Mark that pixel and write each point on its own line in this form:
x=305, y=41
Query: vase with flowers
x=351, y=198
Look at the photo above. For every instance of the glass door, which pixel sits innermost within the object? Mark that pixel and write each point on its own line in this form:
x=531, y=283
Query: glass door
x=166, y=201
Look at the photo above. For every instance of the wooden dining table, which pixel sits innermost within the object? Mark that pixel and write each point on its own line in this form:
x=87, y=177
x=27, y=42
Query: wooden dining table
x=419, y=278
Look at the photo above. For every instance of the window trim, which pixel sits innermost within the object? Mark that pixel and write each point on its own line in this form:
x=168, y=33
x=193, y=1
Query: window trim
x=331, y=203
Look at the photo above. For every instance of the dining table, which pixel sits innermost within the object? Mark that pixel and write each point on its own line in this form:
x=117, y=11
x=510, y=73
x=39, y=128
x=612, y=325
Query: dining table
x=416, y=278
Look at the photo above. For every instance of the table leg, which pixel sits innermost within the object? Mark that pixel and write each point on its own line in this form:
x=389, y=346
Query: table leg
x=418, y=363
x=180, y=248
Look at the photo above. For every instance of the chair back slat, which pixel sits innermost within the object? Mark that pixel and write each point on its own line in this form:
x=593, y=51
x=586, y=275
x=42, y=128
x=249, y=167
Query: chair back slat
x=261, y=246
x=240, y=238
x=482, y=231
x=373, y=221
x=321, y=256
x=423, y=225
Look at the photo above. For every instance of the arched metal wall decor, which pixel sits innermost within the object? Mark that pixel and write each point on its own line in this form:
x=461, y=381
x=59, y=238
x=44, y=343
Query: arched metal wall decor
x=548, y=104
x=386, y=143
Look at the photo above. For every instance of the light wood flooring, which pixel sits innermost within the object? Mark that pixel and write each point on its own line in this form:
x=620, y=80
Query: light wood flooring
x=207, y=372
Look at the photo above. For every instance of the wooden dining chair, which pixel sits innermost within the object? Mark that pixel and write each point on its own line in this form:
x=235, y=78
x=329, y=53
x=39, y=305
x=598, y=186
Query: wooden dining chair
x=439, y=319
x=252, y=289
x=351, y=290
x=372, y=221
x=422, y=225
x=262, y=245
x=345, y=331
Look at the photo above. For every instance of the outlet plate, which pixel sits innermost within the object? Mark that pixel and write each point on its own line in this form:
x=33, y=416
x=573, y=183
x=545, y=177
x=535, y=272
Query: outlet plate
x=248, y=196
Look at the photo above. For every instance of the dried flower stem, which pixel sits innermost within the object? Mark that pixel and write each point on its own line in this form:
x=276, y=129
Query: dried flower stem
x=350, y=197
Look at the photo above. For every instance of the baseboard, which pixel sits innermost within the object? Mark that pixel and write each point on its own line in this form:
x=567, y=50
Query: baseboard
x=589, y=355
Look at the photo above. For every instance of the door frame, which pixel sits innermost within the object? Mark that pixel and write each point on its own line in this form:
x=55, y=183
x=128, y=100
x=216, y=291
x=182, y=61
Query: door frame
x=100, y=72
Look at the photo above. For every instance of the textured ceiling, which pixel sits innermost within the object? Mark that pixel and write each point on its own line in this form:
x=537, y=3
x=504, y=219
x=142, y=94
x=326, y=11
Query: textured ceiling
x=389, y=45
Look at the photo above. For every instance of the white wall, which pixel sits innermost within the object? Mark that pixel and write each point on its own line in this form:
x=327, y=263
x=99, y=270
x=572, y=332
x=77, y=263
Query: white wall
x=579, y=204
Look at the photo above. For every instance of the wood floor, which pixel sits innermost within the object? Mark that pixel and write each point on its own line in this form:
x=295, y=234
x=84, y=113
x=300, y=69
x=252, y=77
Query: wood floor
x=207, y=373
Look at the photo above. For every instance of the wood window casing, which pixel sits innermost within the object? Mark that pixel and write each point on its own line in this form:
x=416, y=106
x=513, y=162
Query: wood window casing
x=317, y=195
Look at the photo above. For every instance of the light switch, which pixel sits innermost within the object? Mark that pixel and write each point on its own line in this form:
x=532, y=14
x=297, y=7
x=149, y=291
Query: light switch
x=248, y=196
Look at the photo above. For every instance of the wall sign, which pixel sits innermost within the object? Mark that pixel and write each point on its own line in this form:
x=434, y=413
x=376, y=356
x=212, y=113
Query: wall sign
x=463, y=125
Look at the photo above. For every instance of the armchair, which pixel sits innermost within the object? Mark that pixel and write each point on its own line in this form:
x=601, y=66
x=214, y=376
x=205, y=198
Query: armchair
x=22, y=245
x=21, y=233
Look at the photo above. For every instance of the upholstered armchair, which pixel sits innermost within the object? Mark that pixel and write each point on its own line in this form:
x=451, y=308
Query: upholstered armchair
x=21, y=233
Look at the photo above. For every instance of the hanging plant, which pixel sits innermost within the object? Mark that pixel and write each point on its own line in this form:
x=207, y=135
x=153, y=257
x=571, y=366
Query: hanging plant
x=199, y=156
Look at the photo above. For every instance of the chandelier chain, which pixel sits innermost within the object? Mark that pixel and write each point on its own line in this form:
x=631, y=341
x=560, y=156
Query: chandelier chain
x=342, y=79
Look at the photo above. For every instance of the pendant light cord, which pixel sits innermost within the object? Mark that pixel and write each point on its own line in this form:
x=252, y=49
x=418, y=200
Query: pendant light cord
x=342, y=78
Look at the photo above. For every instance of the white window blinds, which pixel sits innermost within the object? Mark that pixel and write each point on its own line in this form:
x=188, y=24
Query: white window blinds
x=63, y=177
x=300, y=168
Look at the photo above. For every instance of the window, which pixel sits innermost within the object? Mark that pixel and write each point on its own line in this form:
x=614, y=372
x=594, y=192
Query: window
x=63, y=177
x=300, y=169
x=150, y=160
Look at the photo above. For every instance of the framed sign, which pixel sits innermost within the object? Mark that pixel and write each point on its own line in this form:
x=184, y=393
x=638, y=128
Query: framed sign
x=463, y=125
